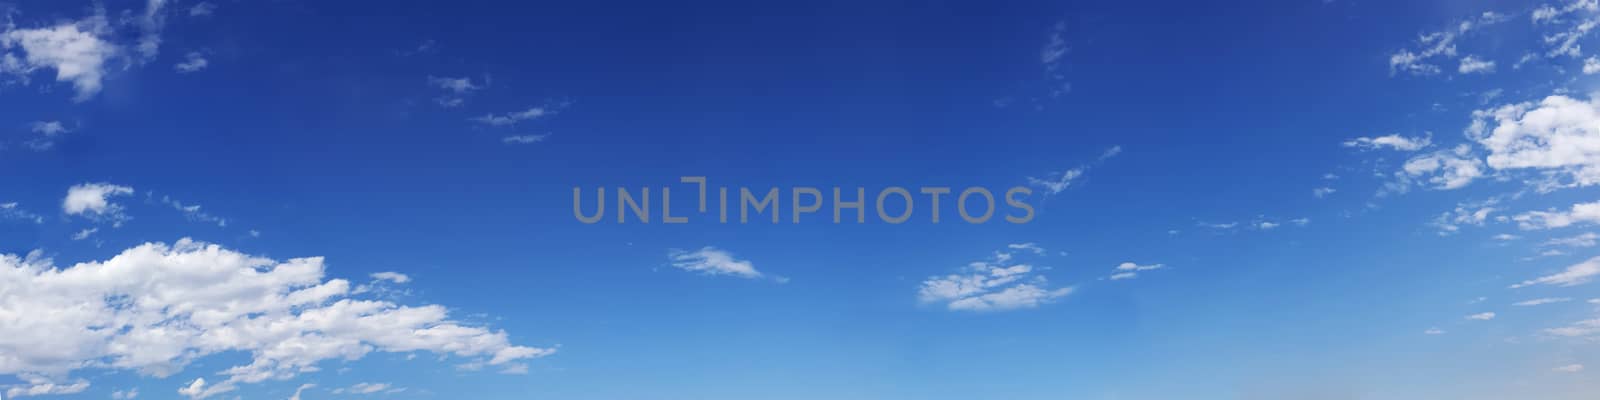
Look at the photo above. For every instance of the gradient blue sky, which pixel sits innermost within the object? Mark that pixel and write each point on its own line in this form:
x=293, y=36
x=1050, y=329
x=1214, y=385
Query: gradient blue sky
x=1321, y=199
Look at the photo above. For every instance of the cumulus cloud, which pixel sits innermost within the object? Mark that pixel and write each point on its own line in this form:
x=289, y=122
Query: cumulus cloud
x=155, y=308
x=1581, y=213
x=1558, y=133
x=1444, y=170
x=77, y=51
x=1392, y=141
x=990, y=285
x=1576, y=274
x=712, y=261
x=92, y=200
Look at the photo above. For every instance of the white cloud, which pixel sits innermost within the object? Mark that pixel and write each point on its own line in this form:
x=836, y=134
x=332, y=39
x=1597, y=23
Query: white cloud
x=1433, y=331
x=1569, y=368
x=368, y=388
x=1481, y=316
x=150, y=26
x=454, y=85
x=193, y=62
x=1542, y=301
x=49, y=128
x=395, y=277
x=1437, y=44
x=155, y=309
x=202, y=9
x=1580, y=213
x=712, y=261
x=1056, y=182
x=125, y=395
x=1587, y=239
x=990, y=285
x=10, y=211
x=1392, y=141
x=523, y=139
x=1130, y=270
x=1029, y=246
x=301, y=389
x=1473, y=64
x=1558, y=133
x=93, y=200
x=1452, y=169
x=76, y=51
x=40, y=385
x=84, y=234
x=1322, y=192
x=1576, y=274
x=1583, y=328
x=512, y=118
x=1506, y=237
x=1591, y=65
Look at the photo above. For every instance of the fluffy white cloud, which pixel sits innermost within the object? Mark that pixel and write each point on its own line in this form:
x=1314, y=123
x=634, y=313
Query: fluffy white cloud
x=1473, y=64
x=156, y=308
x=1559, y=133
x=1591, y=65
x=1322, y=192
x=990, y=285
x=1445, y=170
x=75, y=50
x=1393, y=141
x=1576, y=274
x=1580, y=213
x=93, y=200
x=1481, y=316
x=712, y=261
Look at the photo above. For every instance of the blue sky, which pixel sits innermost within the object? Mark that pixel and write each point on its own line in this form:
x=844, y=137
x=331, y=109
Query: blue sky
x=1249, y=200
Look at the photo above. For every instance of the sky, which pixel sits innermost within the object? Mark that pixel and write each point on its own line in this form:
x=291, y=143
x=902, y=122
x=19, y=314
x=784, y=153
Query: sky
x=1300, y=199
